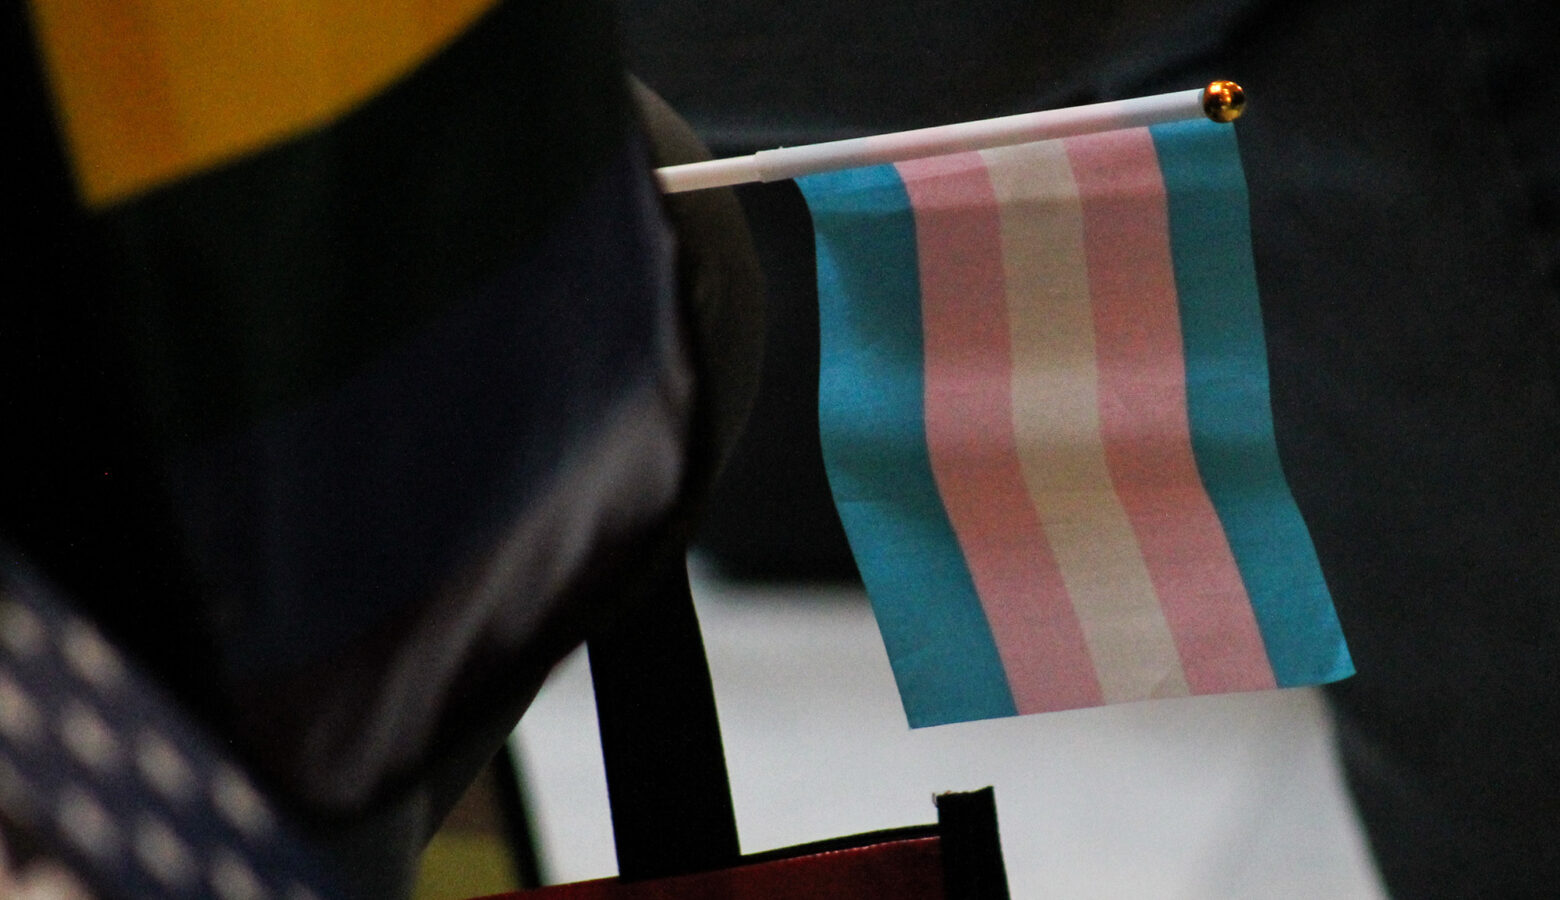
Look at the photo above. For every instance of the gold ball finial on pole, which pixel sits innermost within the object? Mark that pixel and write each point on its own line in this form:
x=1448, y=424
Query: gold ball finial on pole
x=1223, y=101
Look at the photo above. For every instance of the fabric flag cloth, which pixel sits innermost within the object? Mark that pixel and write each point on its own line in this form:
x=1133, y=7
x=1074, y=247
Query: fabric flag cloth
x=1046, y=424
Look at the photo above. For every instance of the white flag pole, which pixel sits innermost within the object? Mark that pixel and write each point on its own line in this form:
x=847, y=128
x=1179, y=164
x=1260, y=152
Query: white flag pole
x=1221, y=101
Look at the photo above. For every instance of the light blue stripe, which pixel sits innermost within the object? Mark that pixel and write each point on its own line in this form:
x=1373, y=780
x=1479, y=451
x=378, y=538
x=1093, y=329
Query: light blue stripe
x=1229, y=404
x=872, y=423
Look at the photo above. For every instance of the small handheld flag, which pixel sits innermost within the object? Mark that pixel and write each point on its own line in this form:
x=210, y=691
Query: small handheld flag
x=1046, y=423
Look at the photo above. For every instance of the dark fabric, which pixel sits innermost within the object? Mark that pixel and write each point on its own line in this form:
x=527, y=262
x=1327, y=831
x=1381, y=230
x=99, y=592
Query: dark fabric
x=264, y=281
x=105, y=770
x=351, y=439
x=248, y=289
x=518, y=458
x=1405, y=190
x=80, y=494
x=722, y=290
x=671, y=807
x=764, y=74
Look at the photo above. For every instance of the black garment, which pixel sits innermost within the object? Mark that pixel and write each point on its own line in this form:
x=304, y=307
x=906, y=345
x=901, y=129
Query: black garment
x=1405, y=190
x=349, y=438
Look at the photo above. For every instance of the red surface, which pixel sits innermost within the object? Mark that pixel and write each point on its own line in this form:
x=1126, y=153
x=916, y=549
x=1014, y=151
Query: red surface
x=900, y=870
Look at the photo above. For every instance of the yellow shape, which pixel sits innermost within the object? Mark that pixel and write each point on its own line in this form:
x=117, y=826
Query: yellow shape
x=152, y=90
x=458, y=865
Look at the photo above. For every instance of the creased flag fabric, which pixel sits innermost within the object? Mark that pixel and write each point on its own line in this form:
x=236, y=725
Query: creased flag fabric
x=1046, y=424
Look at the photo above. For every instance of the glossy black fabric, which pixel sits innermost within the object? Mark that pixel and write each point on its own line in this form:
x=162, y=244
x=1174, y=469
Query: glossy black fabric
x=1405, y=189
x=350, y=440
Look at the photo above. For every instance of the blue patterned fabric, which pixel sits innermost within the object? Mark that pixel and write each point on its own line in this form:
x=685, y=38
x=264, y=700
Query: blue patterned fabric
x=103, y=768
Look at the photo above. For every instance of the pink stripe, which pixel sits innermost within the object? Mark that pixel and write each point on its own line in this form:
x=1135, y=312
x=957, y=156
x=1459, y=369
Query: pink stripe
x=1143, y=415
x=969, y=433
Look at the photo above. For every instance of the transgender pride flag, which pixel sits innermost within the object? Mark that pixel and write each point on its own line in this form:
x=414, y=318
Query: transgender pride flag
x=1045, y=418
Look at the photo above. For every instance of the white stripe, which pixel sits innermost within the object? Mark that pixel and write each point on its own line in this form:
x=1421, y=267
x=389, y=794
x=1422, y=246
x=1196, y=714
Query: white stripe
x=1057, y=422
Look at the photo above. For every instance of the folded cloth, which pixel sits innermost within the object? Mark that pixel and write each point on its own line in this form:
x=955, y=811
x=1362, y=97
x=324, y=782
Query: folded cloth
x=346, y=420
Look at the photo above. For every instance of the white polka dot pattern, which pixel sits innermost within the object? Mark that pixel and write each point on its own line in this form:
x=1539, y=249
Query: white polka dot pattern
x=87, y=823
x=233, y=880
x=162, y=766
x=19, y=719
x=90, y=658
x=88, y=738
x=111, y=779
x=20, y=631
x=238, y=802
x=163, y=854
